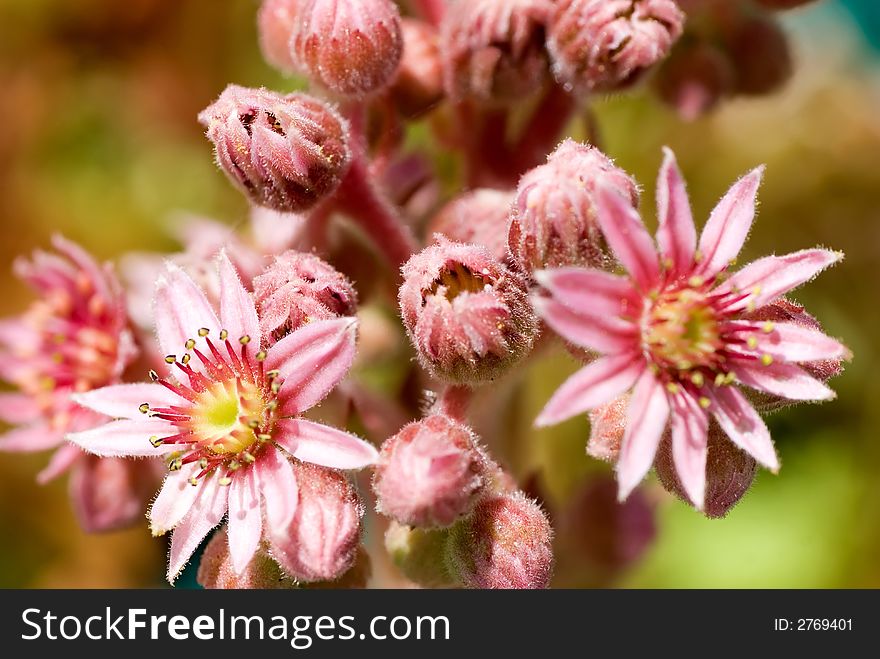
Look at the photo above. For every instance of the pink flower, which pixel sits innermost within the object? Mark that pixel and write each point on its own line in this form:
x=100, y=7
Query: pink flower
x=680, y=332
x=228, y=418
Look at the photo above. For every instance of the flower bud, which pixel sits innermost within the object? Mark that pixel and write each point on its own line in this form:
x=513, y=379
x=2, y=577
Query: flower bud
x=467, y=315
x=493, y=50
x=351, y=47
x=604, y=45
x=695, y=78
x=553, y=218
x=357, y=577
x=505, y=543
x=419, y=83
x=283, y=152
x=321, y=542
x=420, y=554
x=478, y=216
x=729, y=472
x=216, y=570
x=760, y=54
x=429, y=473
x=275, y=24
x=607, y=425
x=298, y=288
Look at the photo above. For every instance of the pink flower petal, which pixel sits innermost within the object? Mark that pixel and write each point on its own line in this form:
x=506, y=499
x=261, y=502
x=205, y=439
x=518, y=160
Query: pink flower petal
x=245, y=519
x=591, y=292
x=61, y=461
x=729, y=225
x=206, y=512
x=676, y=233
x=781, y=379
x=16, y=409
x=121, y=401
x=125, y=438
x=181, y=311
x=646, y=419
x=30, y=439
x=739, y=420
x=789, y=342
x=312, y=361
x=604, y=334
x=323, y=445
x=590, y=387
x=238, y=315
x=767, y=279
x=175, y=498
x=627, y=236
x=278, y=485
x=690, y=442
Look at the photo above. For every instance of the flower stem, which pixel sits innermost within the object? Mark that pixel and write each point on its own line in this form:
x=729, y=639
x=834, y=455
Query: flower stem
x=544, y=128
x=455, y=401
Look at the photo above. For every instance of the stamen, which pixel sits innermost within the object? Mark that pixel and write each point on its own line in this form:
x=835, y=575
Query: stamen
x=223, y=335
x=768, y=327
x=186, y=358
x=144, y=408
x=153, y=375
x=704, y=402
x=244, y=340
x=156, y=441
x=193, y=481
x=190, y=344
x=697, y=379
x=261, y=355
x=225, y=480
x=766, y=359
x=170, y=359
x=204, y=331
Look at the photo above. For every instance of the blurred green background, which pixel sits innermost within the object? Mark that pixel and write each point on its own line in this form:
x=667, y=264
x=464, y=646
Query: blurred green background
x=99, y=141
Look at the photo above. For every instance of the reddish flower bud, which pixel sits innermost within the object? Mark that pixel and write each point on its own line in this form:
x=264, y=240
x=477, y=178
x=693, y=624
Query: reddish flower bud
x=216, y=570
x=283, y=152
x=351, y=47
x=275, y=24
x=729, y=472
x=429, y=473
x=467, y=315
x=505, y=543
x=760, y=54
x=322, y=541
x=603, y=45
x=478, y=216
x=420, y=554
x=695, y=78
x=299, y=288
x=493, y=50
x=607, y=425
x=553, y=219
x=357, y=577
x=419, y=83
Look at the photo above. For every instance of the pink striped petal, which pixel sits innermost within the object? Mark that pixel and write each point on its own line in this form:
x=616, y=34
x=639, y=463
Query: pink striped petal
x=121, y=401
x=323, y=445
x=175, y=498
x=125, y=438
x=590, y=387
x=181, y=311
x=676, y=233
x=646, y=419
x=739, y=420
x=312, y=361
x=627, y=236
x=16, y=409
x=206, y=512
x=61, y=460
x=789, y=342
x=729, y=225
x=690, y=442
x=773, y=276
x=591, y=292
x=30, y=439
x=781, y=379
x=238, y=315
x=277, y=483
x=245, y=519
x=604, y=334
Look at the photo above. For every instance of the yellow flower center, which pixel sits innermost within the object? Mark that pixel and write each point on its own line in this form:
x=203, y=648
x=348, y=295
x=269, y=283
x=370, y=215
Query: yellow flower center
x=226, y=415
x=681, y=331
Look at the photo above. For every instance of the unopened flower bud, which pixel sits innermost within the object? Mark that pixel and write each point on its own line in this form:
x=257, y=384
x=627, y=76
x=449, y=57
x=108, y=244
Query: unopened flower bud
x=420, y=554
x=607, y=425
x=553, y=218
x=478, y=216
x=505, y=543
x=760, y=54
x=216, y=570
x=357, y=576
x=493, y=50
x=299, y=288
x=729, y=472
x=695, y=78
x=419, y=83
x=321, y=542
x=467, y=315
x=275, y=24
x=351, y=47
x=429, y=473
x=283, y=152
x=604, y=45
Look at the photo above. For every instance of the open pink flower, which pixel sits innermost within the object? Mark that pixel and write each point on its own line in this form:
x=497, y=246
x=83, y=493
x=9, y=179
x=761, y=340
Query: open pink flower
x=228, y=418
x=680, y=332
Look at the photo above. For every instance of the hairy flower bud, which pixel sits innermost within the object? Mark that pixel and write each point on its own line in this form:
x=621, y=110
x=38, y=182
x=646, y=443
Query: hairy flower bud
x=322, y=541
x=351, y=47
x=695, y=78
x=467, y=315
x=729, y=472
x=553, y=218
x=493, y=50
x=419, y=83
x=760, y=54
x=603, y=45
x=420, y=554
x=430, y=473
x=478, y=216
x=298, y=288
x=275, y=24
x=217, y=572
x=283, y=152
x=607, y=425
x=505, y=543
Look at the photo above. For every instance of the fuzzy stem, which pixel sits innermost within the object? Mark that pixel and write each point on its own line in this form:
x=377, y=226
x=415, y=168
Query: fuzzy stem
x=542, y=132
x=455, y=401
x=432, y=10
